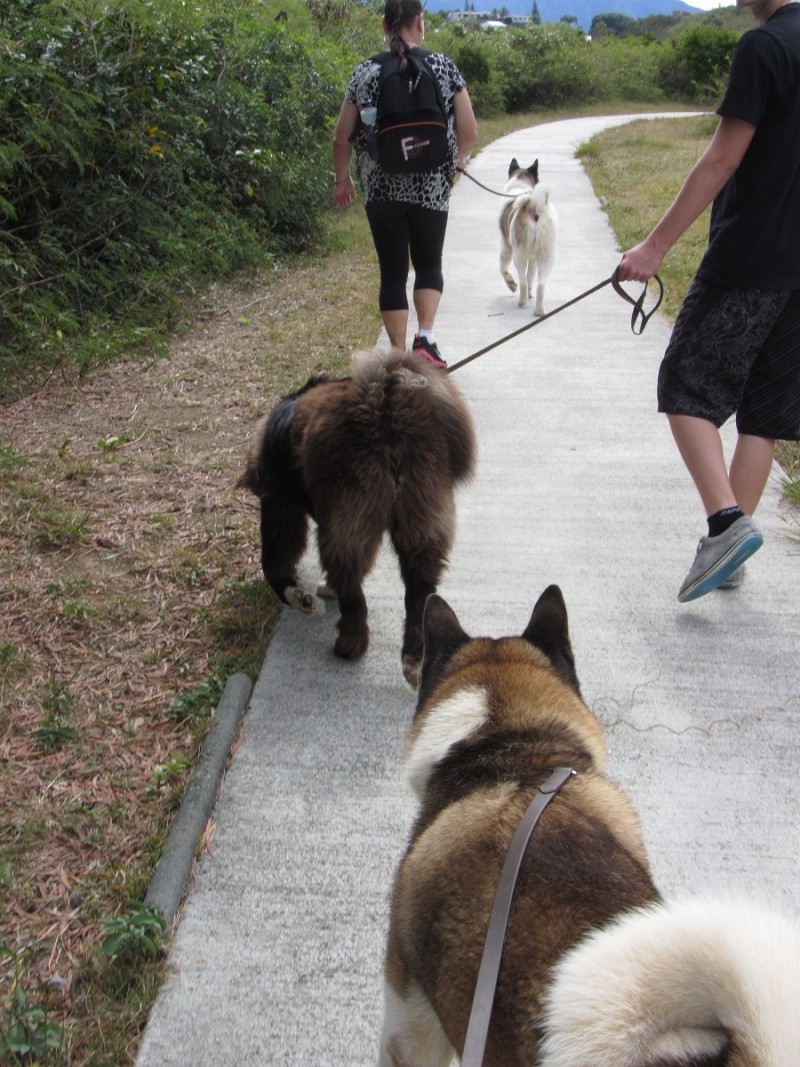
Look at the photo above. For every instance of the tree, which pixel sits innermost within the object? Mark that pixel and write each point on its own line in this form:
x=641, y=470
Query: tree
x=536, y=18
x=612, y=24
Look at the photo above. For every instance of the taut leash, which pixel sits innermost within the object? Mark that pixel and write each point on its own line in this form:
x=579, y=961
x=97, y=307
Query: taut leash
x=638, y=317
x=483, y=999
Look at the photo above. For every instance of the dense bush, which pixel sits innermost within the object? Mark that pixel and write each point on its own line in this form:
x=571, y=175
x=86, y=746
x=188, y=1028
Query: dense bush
x=472, y=55
x=141, y=155
x=696, y=63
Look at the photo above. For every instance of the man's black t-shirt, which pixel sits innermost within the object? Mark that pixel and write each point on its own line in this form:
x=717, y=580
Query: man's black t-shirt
x=754, y=237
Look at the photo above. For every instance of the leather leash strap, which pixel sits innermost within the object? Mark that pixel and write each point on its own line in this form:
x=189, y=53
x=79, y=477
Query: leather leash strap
x=638, y=316
x=495, y=192
x=483, y=999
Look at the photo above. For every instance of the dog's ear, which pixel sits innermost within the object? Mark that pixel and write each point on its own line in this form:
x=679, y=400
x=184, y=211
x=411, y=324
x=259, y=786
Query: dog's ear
x=548, y=631
x=513, y=167
x=443, y=636
x=534, y=169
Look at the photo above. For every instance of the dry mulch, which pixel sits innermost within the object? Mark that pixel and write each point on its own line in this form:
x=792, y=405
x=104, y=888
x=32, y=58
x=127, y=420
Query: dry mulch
x=123, y=543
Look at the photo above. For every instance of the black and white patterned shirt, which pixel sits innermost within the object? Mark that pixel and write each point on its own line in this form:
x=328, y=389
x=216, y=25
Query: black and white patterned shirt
x=431, y=188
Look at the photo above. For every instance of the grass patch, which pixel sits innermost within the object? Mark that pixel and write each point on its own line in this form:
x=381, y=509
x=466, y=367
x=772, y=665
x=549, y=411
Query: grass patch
x=636, y=170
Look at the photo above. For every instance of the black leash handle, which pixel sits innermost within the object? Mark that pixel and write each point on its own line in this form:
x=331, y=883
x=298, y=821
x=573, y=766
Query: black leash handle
x=638, y=305
x=637, y=314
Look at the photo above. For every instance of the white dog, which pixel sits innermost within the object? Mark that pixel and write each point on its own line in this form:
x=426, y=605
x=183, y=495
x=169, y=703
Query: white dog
x=529, y=227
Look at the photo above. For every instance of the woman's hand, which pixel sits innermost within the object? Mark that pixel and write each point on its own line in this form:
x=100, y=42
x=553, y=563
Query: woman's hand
x=344, y=192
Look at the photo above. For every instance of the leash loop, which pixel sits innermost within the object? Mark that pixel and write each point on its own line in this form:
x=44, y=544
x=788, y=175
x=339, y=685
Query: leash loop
x=483, y=999
x=638, y=305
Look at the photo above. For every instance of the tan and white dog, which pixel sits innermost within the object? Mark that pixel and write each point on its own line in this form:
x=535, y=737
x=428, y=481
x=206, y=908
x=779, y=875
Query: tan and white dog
x=529, y=229
x=597, y=970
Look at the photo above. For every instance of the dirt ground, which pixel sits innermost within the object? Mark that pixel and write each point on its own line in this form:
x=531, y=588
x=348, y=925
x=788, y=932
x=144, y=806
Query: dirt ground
x=128, y=569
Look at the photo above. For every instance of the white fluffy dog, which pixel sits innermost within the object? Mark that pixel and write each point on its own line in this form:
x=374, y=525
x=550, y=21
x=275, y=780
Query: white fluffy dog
x=529, y=228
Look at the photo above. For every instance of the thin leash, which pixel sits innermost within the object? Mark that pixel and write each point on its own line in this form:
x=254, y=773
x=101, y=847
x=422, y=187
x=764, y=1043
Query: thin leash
x=495, y=192
x=639, y=319
x=485, y=986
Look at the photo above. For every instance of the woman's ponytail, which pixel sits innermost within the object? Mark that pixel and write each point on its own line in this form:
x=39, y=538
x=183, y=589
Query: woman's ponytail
x=398, y=15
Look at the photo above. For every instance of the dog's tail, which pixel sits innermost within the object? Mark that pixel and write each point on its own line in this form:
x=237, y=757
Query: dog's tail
x=679, y=983
x=418, y=402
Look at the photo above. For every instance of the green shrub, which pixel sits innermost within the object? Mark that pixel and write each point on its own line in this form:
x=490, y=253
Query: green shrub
x=695, y=65
x=627, y=69
x=140, y=156
x=472, y=56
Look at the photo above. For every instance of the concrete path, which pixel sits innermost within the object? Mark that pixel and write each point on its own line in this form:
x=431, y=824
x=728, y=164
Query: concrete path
x=278, y=957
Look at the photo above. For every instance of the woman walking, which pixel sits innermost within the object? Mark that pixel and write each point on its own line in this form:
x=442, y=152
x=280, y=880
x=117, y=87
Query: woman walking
x=407, y=213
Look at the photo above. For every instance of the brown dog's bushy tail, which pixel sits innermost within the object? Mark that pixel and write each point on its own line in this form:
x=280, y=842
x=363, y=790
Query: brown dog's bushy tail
x=423, y=406
x=459, y=433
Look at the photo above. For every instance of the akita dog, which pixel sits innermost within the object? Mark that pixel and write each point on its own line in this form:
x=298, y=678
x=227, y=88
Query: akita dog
x=380, y=451
x=597, y=969
x=528, y=229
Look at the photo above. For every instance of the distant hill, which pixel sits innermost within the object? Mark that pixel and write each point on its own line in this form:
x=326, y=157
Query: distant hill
x=583, y=10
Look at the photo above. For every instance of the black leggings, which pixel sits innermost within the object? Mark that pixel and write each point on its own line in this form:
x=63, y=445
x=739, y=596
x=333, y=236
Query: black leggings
x=399, y=230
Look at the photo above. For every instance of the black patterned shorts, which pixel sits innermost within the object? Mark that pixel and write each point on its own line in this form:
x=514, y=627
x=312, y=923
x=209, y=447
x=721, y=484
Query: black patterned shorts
x=736, y=350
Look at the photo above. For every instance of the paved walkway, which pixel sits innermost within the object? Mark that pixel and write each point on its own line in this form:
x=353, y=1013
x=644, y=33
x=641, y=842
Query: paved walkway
x=277, y=959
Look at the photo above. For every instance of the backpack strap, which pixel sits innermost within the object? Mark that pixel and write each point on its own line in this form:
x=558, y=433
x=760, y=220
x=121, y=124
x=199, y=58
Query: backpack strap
x=422, y=56
x=418, y=56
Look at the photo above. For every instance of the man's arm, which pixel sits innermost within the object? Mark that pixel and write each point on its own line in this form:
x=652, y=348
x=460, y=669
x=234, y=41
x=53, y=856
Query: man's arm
x=725, y=152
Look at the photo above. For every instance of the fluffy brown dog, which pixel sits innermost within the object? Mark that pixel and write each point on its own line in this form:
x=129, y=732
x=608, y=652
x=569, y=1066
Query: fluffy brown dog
x=598, y=970
x=380, y=451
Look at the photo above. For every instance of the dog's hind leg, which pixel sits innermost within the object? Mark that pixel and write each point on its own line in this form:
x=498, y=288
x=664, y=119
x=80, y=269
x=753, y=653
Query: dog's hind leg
x=523, y=268
x=284, y=534
x=545, y=265
x=353, y=639
x=347, y=555
x=421, y=567
x=505, y=262
x=506, y=251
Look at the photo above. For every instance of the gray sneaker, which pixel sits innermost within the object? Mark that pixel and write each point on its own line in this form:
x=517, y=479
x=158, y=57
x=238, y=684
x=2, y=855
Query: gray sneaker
x=734, y=580
x=718, y=557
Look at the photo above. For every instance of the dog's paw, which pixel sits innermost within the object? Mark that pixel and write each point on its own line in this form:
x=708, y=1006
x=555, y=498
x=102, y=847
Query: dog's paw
x=512, y=285
x=539, y=310
x=301, y=600
x=351, y=646
x=412, y=670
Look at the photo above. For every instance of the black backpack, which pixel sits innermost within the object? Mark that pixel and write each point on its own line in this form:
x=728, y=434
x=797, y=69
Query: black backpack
x=411, y=123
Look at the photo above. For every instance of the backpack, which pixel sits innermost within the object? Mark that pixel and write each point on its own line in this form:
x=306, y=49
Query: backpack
x=411, y=123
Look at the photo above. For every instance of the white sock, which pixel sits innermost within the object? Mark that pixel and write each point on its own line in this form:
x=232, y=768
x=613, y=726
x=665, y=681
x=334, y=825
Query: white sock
x=428, y=335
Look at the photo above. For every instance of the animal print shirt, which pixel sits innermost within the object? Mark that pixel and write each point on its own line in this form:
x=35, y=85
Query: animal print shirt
x=431, y=188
